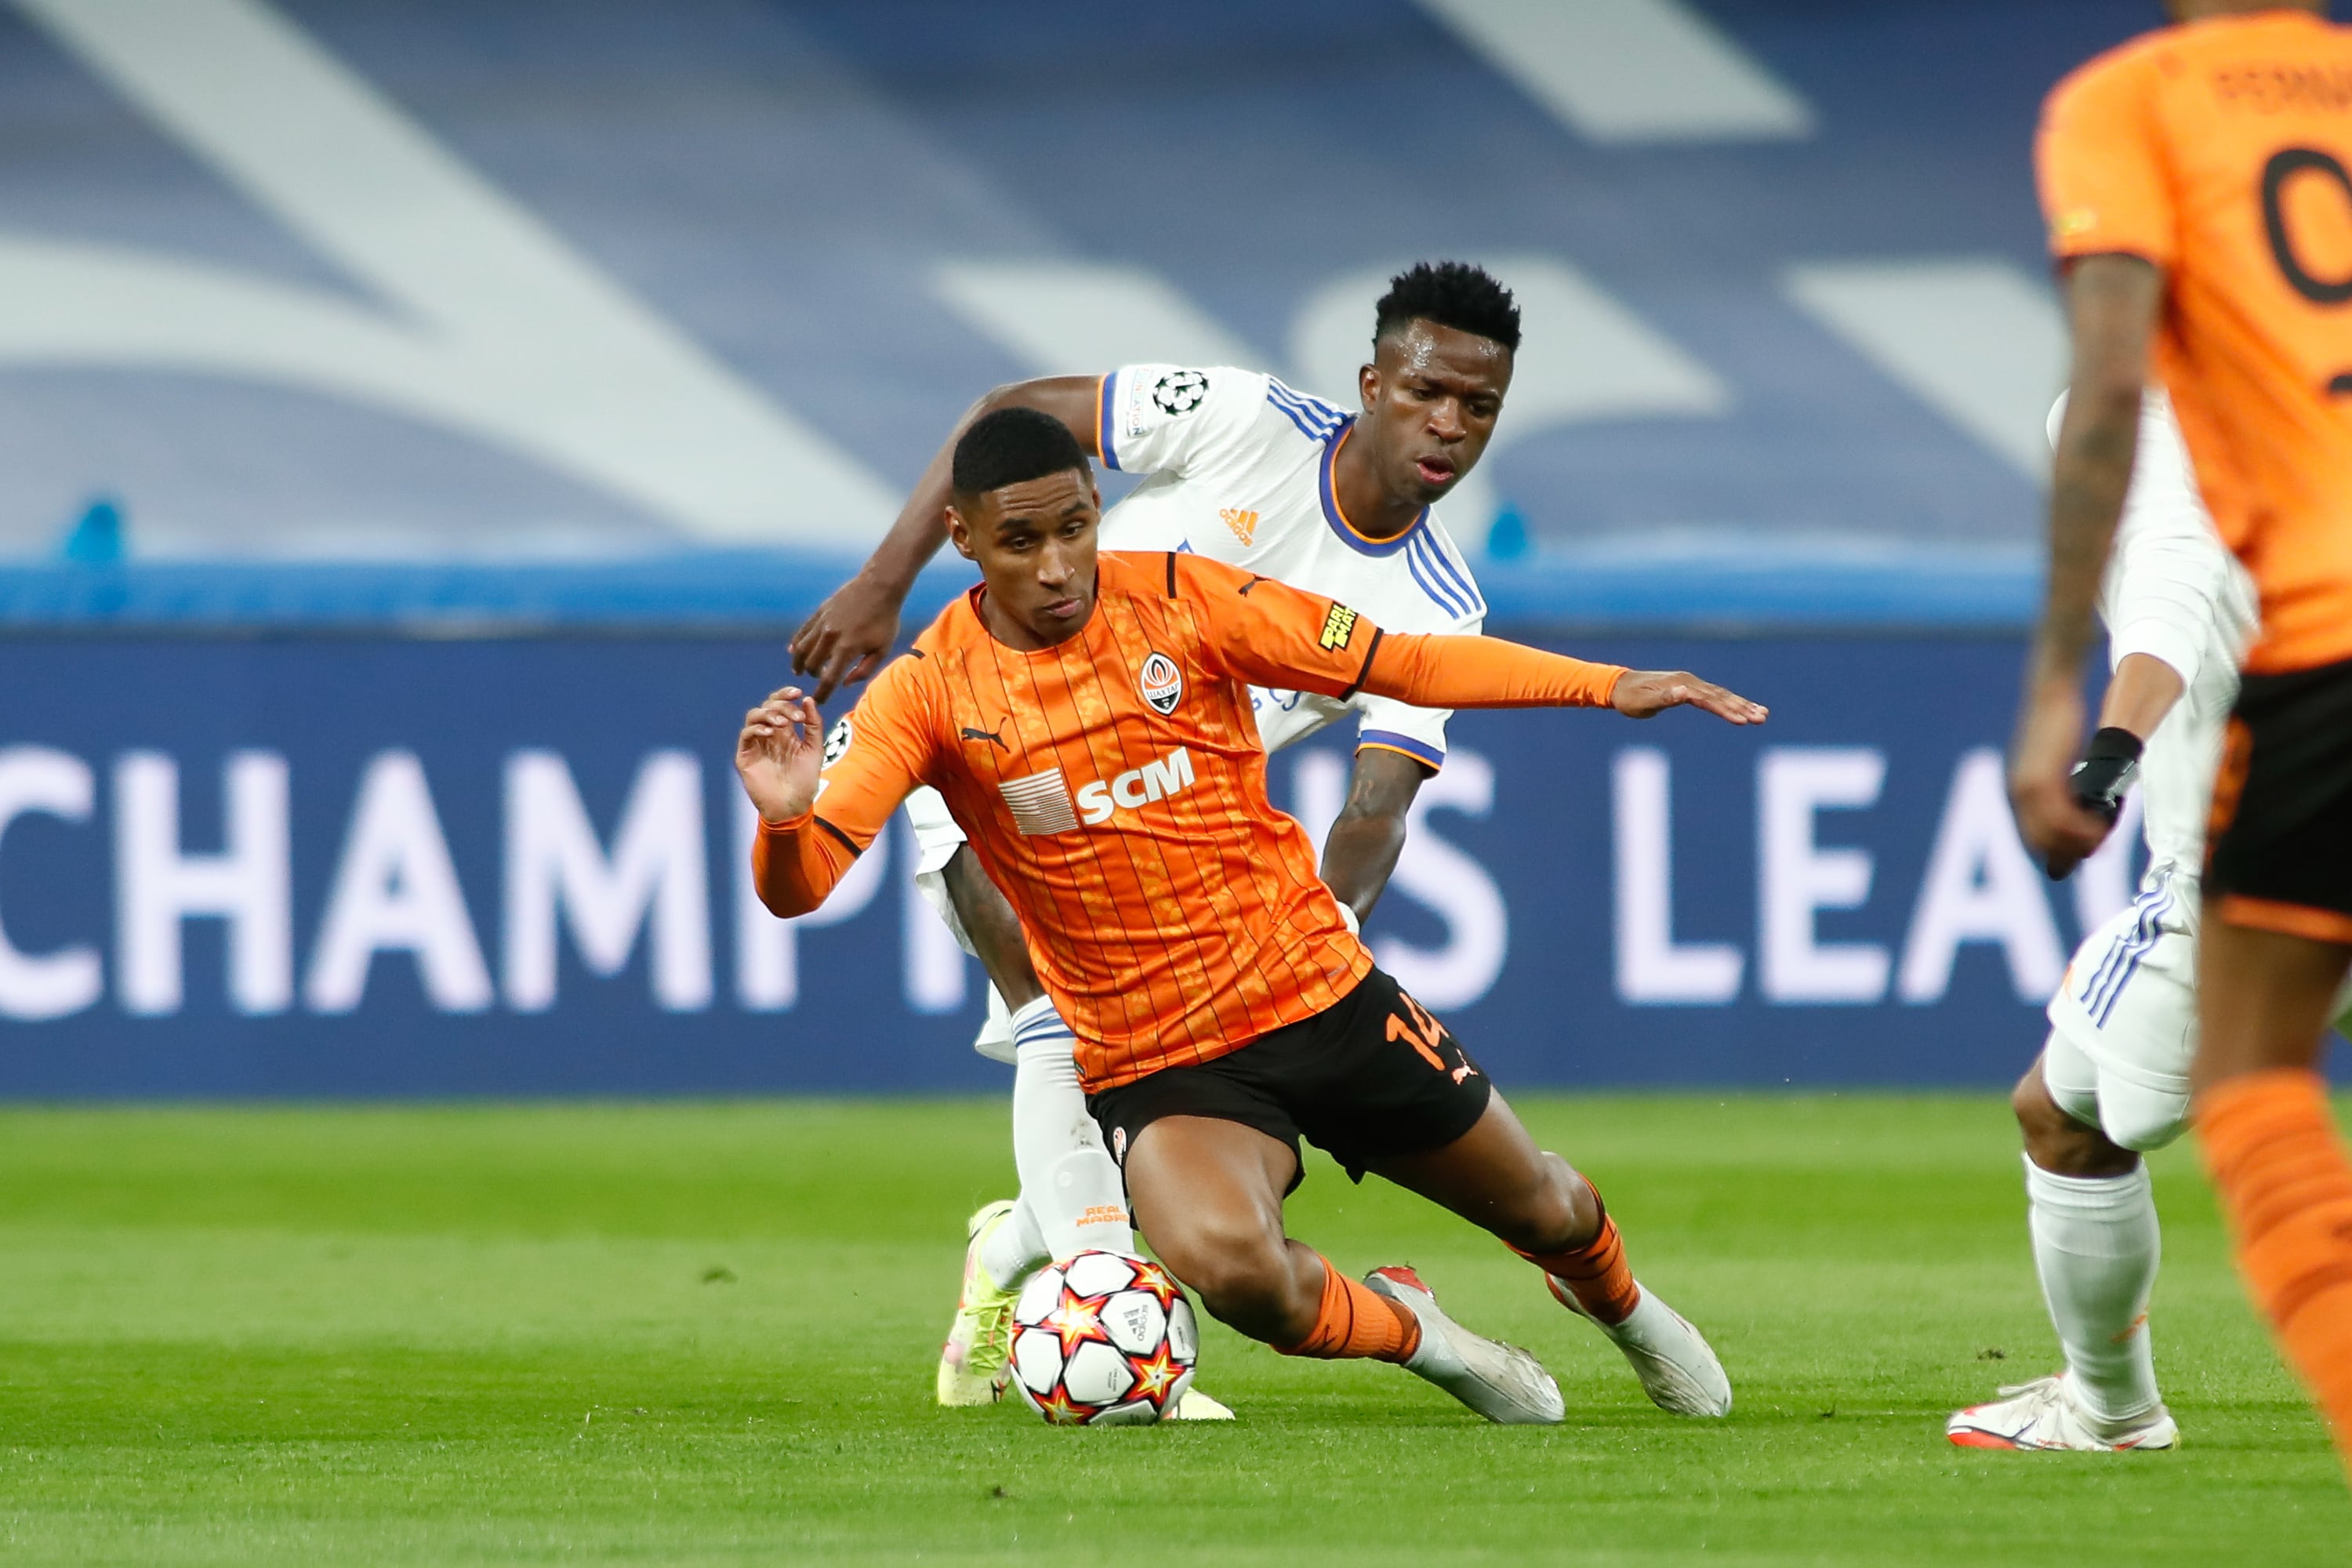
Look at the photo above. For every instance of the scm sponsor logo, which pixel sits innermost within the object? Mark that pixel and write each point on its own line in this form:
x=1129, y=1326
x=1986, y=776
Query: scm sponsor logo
x=1137, y=787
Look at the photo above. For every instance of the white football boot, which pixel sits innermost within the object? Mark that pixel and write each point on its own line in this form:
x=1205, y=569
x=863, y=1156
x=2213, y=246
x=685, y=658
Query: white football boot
x=1198, y=1406
x=980, y=1340
x=2048, y=1414
x=1677, y=1368
x=1500, y=1382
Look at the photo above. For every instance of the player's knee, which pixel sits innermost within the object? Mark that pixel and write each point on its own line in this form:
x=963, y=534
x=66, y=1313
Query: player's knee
x=2030, y=1103
x=1242, y=1271
x=1555, y=1211
x=2054, y=1139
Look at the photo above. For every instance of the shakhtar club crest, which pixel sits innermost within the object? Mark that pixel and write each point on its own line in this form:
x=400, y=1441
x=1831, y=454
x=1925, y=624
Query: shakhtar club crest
x=1162, y=683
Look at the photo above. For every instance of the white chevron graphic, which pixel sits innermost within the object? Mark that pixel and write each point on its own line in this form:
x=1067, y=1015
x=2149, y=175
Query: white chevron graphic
x=492, y=326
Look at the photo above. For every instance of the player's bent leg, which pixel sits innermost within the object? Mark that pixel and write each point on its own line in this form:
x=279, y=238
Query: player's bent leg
x=1543, y=1209
x=1068, y=1178
x=2095, y=1248
x=2271, y=1143
x=1208, y=1192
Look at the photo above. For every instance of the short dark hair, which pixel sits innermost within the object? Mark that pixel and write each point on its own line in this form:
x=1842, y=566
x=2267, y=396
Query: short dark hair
x=1454, y=294
x=1012, y=445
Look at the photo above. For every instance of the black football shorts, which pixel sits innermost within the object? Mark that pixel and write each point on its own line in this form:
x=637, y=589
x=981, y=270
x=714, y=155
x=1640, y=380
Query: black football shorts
x=1371, y=1078
x=2278, y=853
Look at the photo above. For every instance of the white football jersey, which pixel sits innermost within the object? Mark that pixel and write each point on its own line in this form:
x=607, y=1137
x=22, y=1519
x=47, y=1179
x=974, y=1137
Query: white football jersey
x=1241, y=472
x=2173, y=591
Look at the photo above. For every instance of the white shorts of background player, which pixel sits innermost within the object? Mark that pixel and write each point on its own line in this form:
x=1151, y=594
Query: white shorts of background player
x=2123, y=1026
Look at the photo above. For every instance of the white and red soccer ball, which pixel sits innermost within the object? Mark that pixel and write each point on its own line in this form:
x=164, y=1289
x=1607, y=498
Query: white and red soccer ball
x=1103, y=1338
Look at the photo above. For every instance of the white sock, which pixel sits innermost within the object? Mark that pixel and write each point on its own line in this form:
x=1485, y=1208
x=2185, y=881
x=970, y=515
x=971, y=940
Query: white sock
x=2096, y=1244
x=1016, y=1249
x=1069, y=1179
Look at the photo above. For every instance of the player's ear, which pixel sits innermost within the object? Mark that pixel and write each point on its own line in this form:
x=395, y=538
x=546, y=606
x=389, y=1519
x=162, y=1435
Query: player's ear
x=960, y=534
x=1367, y=385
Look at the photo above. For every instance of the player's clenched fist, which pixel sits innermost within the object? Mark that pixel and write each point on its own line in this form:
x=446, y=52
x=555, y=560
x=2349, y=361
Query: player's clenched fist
x=780, y=754
x=1645, y=693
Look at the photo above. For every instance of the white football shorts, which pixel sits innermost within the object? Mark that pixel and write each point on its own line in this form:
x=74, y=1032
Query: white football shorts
x=2122, y=1025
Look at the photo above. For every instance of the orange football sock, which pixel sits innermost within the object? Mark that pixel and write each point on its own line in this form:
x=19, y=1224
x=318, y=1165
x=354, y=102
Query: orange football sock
x=1352, y=1322
x=1596, y=1273
x=2271, y=1147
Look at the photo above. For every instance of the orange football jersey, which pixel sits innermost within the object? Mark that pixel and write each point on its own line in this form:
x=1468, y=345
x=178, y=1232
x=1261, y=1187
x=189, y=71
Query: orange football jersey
x=2221, y=151
x=1114, y=788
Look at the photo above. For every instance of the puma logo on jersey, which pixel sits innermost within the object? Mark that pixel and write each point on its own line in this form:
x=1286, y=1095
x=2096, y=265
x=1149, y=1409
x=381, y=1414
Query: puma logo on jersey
x=1244, y=588
x=1338, y=628
x=995, y=737
x=1137, y=787
x=1242, y=523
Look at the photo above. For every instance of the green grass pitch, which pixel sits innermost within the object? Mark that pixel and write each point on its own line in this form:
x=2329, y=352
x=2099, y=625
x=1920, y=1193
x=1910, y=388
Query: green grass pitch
x=704, y=1334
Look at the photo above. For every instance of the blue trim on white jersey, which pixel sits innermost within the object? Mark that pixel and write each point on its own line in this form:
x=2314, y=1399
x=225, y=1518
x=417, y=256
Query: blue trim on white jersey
x=1427, y=562
x=1339, y=524
x=1314, y=418
x=1437, y=594
x=1419, y=750
x=1103, y=420
x=1455, y=573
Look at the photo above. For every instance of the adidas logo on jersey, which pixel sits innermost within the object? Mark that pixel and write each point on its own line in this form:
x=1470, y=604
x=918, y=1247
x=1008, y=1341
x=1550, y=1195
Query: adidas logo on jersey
x=1242, y=523
x=1137, y=786
x=1041, y=803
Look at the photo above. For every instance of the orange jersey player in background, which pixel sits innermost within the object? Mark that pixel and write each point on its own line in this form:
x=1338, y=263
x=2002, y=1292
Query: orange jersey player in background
x=2198, y=183
x=1089, y=720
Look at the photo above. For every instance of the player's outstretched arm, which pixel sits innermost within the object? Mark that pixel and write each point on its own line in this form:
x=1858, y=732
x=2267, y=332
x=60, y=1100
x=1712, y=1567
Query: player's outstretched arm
x=1487, y=672
x=2112, y=302
x=1646, y=693
x=847, y=636
x=1271, y=634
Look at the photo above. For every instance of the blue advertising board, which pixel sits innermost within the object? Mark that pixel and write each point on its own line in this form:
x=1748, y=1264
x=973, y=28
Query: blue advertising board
x=365, y=865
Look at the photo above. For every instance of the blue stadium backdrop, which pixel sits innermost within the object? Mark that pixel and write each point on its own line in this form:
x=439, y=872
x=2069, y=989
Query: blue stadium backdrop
x=384, y=865
x=419, y=421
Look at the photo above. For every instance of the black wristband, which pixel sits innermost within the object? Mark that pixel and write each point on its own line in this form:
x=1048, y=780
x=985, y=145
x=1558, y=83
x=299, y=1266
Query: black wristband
x=2109, y=764
x=2113, y=744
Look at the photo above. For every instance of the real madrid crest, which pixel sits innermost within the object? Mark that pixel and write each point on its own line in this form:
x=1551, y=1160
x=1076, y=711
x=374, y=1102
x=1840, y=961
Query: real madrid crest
x=1162, y=683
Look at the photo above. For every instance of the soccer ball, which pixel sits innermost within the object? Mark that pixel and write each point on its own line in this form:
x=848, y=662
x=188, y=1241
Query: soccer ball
x=1102, y=1339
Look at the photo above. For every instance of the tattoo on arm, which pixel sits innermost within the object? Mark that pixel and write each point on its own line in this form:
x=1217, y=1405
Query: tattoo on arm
x=1368, y=833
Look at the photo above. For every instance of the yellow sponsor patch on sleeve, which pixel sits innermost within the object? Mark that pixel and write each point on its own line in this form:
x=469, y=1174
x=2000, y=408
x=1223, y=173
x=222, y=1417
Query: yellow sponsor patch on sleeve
x=1338, y=626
